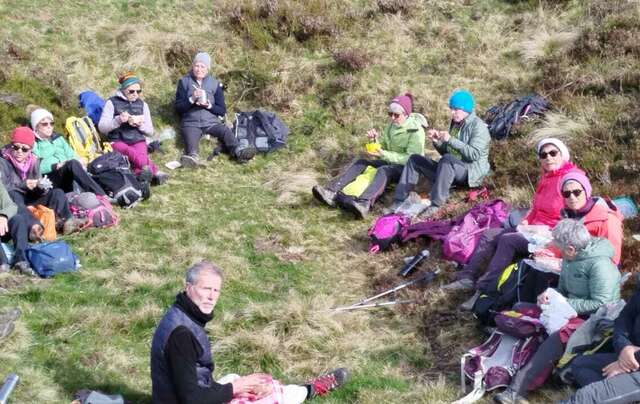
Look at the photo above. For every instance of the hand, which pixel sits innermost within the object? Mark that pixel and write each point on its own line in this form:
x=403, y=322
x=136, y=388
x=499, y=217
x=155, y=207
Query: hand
x=4, y=225
x=374, y=155
x=444, y=135
x=627, y=358
x=612, y=369
x=433, y=134
x=258, y=384
x=524, y=222
x=137, y=120
x=372, y=134
x=124, y=117
x=197, y=93
x=543, y=298
x=31, y=184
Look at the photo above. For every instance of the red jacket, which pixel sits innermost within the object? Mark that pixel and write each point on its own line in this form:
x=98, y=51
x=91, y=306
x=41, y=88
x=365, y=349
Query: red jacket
x=604, y=220
x=547, y=201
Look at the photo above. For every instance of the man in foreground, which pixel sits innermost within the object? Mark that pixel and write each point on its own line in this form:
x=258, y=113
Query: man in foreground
x=182, y=364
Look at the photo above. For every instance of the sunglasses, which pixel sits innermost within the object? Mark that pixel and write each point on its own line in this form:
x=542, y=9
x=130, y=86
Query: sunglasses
x=552, y=153
x=46, y=123
x=24, y=149
x=394, y=115
x=574, y=192
x=134, y=91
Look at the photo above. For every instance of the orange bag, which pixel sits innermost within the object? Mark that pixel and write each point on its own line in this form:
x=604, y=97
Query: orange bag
x=47, y=217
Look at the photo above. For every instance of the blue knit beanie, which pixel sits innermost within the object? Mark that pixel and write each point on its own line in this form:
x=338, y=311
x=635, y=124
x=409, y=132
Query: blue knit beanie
x=462, y=99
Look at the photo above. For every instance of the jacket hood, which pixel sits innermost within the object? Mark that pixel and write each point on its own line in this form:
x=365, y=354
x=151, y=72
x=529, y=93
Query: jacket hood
x=414, y=122
x=597, y=248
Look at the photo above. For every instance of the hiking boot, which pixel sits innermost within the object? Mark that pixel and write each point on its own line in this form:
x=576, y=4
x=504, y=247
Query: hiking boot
x=246, y=154
x=324, y=195
x=74, y=224
x=460, y=284
x=6, y=329
x=10, y=316
x=358, y=208
x=145, y=174
x=469, y=303
x=160, y=178
x=509, y=397
x=24, y=268
x=190, y=161
x=321, y=385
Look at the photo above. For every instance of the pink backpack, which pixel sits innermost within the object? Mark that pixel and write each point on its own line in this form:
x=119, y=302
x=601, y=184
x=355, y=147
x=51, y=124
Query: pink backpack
x=101, y=215
x=386, y=231
x=461, y=241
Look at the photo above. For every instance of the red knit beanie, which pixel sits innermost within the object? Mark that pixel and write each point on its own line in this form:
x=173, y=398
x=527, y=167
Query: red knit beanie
x=23, y=135
x=405, y=101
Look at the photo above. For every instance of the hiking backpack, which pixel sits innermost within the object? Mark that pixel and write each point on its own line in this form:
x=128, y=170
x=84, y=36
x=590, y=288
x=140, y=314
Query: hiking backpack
x=84, y=138
x=493, y=364
x=386, y=231
x=100, y=215
x=501, y=118
x=258, y=131
x=92, y=104
x=112, y=172
x=51, y=258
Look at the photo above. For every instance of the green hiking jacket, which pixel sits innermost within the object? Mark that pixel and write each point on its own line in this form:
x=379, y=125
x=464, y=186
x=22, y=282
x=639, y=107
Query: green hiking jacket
x=8, y=208
x=53, y=151
x=400, y=142
x=590, y=279
x=472, y=143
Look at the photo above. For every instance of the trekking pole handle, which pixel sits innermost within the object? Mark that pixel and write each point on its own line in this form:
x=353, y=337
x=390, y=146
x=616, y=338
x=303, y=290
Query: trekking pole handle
x=408, y=268
x=10, y=383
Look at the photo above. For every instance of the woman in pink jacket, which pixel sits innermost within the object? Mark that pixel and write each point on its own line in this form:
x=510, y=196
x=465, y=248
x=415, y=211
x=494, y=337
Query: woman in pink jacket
x=502, y=246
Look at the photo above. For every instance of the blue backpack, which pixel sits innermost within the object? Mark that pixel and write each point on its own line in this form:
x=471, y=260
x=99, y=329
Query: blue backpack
x=48, y=259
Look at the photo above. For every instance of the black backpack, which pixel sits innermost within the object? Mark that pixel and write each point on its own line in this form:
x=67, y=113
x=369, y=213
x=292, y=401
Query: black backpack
x=258, y=131
x=112, y=172
x=501, y=118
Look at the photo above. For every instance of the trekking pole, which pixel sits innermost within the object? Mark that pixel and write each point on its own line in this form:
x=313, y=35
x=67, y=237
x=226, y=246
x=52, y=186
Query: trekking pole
x=428, y=277
x=10, y=383
x=368, y=306
x=410, y=266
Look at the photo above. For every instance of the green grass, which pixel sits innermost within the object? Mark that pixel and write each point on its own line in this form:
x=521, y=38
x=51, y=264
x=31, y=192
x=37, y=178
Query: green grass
x=328, y=68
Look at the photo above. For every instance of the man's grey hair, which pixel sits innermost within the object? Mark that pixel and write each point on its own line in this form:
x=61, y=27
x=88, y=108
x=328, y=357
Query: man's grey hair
x=570, y=232
x=193, y=273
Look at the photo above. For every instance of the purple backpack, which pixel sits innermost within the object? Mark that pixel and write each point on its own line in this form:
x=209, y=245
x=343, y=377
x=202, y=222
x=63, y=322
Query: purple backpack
x=461, y=241
x=494, y=363
x=387, y=230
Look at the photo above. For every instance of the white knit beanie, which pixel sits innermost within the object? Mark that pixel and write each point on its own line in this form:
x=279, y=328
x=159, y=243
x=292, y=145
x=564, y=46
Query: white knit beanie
x=38, y=115
x=564, y=150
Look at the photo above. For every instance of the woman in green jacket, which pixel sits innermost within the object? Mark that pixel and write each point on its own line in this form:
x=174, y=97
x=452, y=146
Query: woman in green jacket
x=58, y=161
x=403, y=137
x=465, y=155
x=588, y=280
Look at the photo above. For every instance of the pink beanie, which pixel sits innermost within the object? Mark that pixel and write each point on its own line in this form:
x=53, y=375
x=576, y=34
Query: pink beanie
x=578, y=177
x=405, y=101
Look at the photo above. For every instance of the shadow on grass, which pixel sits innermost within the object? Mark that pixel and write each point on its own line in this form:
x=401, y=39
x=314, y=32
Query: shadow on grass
x=70, y=377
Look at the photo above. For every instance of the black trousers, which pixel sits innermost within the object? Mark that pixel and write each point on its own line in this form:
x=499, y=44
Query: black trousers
x=386, y=174
x=72, y=171
x=19, y=228
x=54, y=199
x=191, y=137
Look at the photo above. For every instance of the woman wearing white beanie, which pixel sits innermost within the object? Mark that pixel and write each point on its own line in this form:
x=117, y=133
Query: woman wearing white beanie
x=58, y=161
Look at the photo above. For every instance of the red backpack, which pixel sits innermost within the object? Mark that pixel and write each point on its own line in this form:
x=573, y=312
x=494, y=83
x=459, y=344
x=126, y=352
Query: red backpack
x=101, y=215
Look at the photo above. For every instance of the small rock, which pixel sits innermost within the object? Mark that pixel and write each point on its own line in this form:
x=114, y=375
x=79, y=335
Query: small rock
x=11, y=99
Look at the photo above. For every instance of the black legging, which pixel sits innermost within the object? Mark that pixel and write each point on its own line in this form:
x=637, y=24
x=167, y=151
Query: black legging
x=19, y=227
x=53, y=199
x=71, y=171
x=539, y=366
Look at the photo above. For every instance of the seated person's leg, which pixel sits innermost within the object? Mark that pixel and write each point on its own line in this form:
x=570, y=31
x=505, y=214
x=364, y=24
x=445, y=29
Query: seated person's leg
x=327, y=194
x=20, y=227
x=621, y=389
x=510, y=245
x=416, y=166
x=450, y=170
x=224, y=135
x=191, y=138
x=72, y=171
x=587, y=369
x=385, y=175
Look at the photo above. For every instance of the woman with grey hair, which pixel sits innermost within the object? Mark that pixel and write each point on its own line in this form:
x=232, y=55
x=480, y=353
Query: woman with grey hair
x=588, y=280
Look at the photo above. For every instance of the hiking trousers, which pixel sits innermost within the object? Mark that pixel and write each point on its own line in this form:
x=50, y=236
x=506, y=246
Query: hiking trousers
x=386, y=174
x=442, y=174
x=191, y=137
x=19, y=228
x=621, y=389
x=53, y=199
x=587, y=369
x=534, y=373
x=137, y=155
x=70, y=172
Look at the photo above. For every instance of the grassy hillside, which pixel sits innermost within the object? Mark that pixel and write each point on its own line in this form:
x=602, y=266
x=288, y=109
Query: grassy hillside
x=328, y=67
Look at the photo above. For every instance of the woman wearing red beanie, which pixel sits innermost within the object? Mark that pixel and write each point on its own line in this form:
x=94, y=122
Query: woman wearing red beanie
x=20, y=172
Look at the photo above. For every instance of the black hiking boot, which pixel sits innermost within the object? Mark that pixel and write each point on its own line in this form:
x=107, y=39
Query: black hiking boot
x=321, y=385
x=246, y=154
x=24, y=268
x=358, y=207
x=324, y=195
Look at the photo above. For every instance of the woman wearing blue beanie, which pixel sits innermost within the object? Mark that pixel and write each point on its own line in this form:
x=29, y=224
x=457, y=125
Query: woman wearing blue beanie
x=465, y=155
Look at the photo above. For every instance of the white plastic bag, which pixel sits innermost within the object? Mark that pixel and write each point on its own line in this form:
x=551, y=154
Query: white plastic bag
x=557, y=312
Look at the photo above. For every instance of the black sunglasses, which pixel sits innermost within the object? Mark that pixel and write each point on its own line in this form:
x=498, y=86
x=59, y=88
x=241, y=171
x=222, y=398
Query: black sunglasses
x=394, y=115
x=134, y=91
x=575, y=192
x=24, y=149
x=552, y=153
